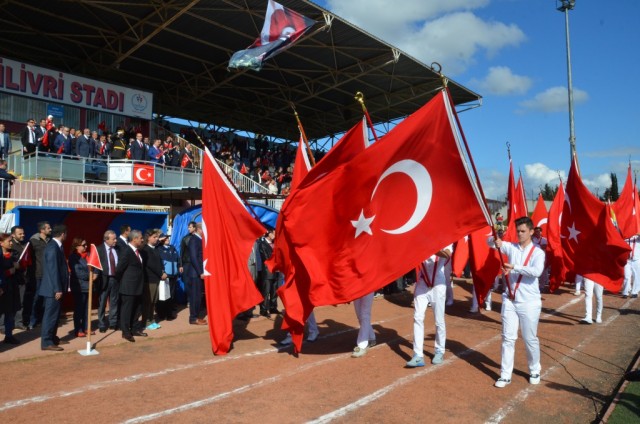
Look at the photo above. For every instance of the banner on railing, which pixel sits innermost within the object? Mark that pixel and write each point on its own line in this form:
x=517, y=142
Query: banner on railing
x=120, y=172
x=144, y=174
x=52, y=86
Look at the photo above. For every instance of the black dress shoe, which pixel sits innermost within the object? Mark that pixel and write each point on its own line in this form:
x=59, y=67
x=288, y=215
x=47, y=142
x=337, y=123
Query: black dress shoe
x=274, y=311
x=128, y=338
x=11, y=340
x=140, y=334
x=103, y=330
x=56, y=340
x=265, y=314
x=113, y=327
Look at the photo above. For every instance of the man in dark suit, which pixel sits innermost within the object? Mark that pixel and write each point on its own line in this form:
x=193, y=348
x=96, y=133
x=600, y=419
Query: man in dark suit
x=194, y=273
x=123, y=240
x=28, y=137
x=6, y=181
x=108, y=288
x=5, y=143
x=138, y=149
x=84, y=145
x=62, y=144
x=55, y=280
x=130, y=273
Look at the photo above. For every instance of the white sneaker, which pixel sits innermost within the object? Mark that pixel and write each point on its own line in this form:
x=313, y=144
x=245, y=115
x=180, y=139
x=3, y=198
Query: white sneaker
x=358, y=352
x=488, y=308
x=534, y=379
x=599, y=320
x=502, y=382
x=576, y=293
x=586, y=321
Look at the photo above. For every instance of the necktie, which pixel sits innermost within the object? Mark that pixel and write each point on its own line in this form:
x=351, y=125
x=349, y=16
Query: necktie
x=138, y=255
x=112, y=262
x=32, y=136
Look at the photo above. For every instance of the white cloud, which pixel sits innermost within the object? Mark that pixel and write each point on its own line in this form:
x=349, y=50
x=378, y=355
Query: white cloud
x=501, y=81
x=443, y=31
x=536, y=175
x=554, y=99
x=599, y=183
x=494, y=184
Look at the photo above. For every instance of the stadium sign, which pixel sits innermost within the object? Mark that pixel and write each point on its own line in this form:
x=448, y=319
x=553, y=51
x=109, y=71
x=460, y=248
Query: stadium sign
x=53, y=86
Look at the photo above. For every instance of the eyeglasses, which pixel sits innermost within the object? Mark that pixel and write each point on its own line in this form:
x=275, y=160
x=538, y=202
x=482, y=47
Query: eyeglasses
x=84, y=245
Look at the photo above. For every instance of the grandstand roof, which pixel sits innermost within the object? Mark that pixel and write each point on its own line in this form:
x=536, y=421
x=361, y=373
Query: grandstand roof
x=180, y=49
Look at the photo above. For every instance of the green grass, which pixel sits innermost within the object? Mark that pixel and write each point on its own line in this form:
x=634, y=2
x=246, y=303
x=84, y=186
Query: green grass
x=628, y=409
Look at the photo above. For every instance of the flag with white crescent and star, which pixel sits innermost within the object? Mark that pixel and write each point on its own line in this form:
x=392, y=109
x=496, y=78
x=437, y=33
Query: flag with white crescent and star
x=144, y=174
x=377, y=216
x=592, y=245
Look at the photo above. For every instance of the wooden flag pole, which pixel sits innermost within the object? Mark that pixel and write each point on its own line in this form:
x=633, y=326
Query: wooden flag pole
x=312, y=159
x=89, y=351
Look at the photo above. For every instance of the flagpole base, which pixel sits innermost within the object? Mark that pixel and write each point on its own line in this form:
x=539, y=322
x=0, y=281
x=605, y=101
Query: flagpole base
x=88, y=351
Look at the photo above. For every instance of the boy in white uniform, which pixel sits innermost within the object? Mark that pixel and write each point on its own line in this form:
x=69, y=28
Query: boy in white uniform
x=431, y=287
x=632, y=269
x=521, y=301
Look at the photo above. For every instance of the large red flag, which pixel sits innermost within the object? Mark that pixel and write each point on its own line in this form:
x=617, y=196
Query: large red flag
x=301, y=166
x=26, y=257
x=229, y=233
x=484, y=261
x=460, y=256
x=540, y=215
x=517, y=206
x=511, y=195
x=555, y=255
x=294, y=293
x=591, y=244
x=626, y=210
x=94, y=259
x=377, y=216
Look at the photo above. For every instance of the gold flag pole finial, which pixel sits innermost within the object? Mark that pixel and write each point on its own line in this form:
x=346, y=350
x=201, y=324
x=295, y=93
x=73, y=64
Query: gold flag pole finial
x=438, y=69
x=360, y=99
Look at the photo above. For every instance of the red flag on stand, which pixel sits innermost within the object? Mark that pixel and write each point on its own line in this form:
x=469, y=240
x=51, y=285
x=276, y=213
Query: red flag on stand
x=540, y=215
x=626, y=210
x=94, y=259
x=591, y=244
x=364, y=224
x=484, y=261
x=229, y=232
x=460, y=256
x=558, y=271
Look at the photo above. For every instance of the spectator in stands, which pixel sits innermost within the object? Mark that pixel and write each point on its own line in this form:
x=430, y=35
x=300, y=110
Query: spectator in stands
x=94, y=142
x=273, y=187
x=119, y=145
x=28, y=137
x=62, y=143
x=5, y=143
x=6, y=181
x=40, y=131
x=102, y=148
x=153, y=273
x=79, y=279
x=175, y=156
x=155, y=153
x=187, y=157
x=172, y=267
x=84, y=147
x=38, y=242
x=9, y=291
x=138, y=149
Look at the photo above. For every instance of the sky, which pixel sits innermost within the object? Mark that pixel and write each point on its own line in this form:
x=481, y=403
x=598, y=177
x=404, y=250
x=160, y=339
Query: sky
x=513, y=53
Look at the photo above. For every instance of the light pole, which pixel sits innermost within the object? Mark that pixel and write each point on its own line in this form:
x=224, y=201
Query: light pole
x=565, y=6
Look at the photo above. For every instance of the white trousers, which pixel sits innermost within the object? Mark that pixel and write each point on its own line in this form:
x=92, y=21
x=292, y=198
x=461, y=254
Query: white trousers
x=363, y=312
x=631, y=274
x=474, y=299
x=422, y=296
x=525, y=315
x=591, y=287
x=450, y=292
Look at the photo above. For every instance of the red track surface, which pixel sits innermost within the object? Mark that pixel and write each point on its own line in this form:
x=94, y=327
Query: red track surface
x=172, y=376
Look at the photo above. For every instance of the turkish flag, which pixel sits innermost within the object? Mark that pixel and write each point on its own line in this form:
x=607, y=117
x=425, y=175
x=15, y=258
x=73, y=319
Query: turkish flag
x=294, y=293
x=26, y=257
x=94, y=259
x=229, y=232
x=540, y=215
x=517, y=206
x=243, y=169
x=460, y=256
x=626, y=209
x=48, y=126
x=592, y=245
x=484, y=261
x=396, y=203
x=558, y=271
x=102, y=126
x=144, y=174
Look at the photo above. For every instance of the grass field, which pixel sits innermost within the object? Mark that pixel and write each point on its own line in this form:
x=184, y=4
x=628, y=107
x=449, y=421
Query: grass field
x=628, y=409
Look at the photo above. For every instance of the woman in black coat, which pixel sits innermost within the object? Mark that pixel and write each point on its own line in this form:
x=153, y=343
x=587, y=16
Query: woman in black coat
x=9, y=291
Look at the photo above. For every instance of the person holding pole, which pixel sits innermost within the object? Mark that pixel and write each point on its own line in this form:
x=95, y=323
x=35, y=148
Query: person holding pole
x=521, y=301
x=79, y=280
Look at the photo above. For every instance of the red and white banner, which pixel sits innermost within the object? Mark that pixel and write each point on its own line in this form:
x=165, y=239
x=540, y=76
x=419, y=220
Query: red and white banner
x=144, y=174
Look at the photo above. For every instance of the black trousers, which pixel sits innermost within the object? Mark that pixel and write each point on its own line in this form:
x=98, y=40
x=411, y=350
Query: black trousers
x=129, y=306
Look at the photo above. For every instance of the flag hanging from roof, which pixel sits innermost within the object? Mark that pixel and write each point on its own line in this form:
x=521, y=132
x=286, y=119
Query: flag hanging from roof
x=282, y=27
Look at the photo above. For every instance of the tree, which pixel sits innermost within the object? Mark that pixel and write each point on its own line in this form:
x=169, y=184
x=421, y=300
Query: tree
x=548, y=192
x=612, y=193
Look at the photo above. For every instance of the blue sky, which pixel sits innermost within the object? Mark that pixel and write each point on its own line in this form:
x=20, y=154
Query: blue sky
x=513, y=53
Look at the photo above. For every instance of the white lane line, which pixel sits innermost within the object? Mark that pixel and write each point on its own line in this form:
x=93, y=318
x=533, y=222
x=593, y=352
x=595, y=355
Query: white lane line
x=136, y=377
x=341, y=412
x=502, y=413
